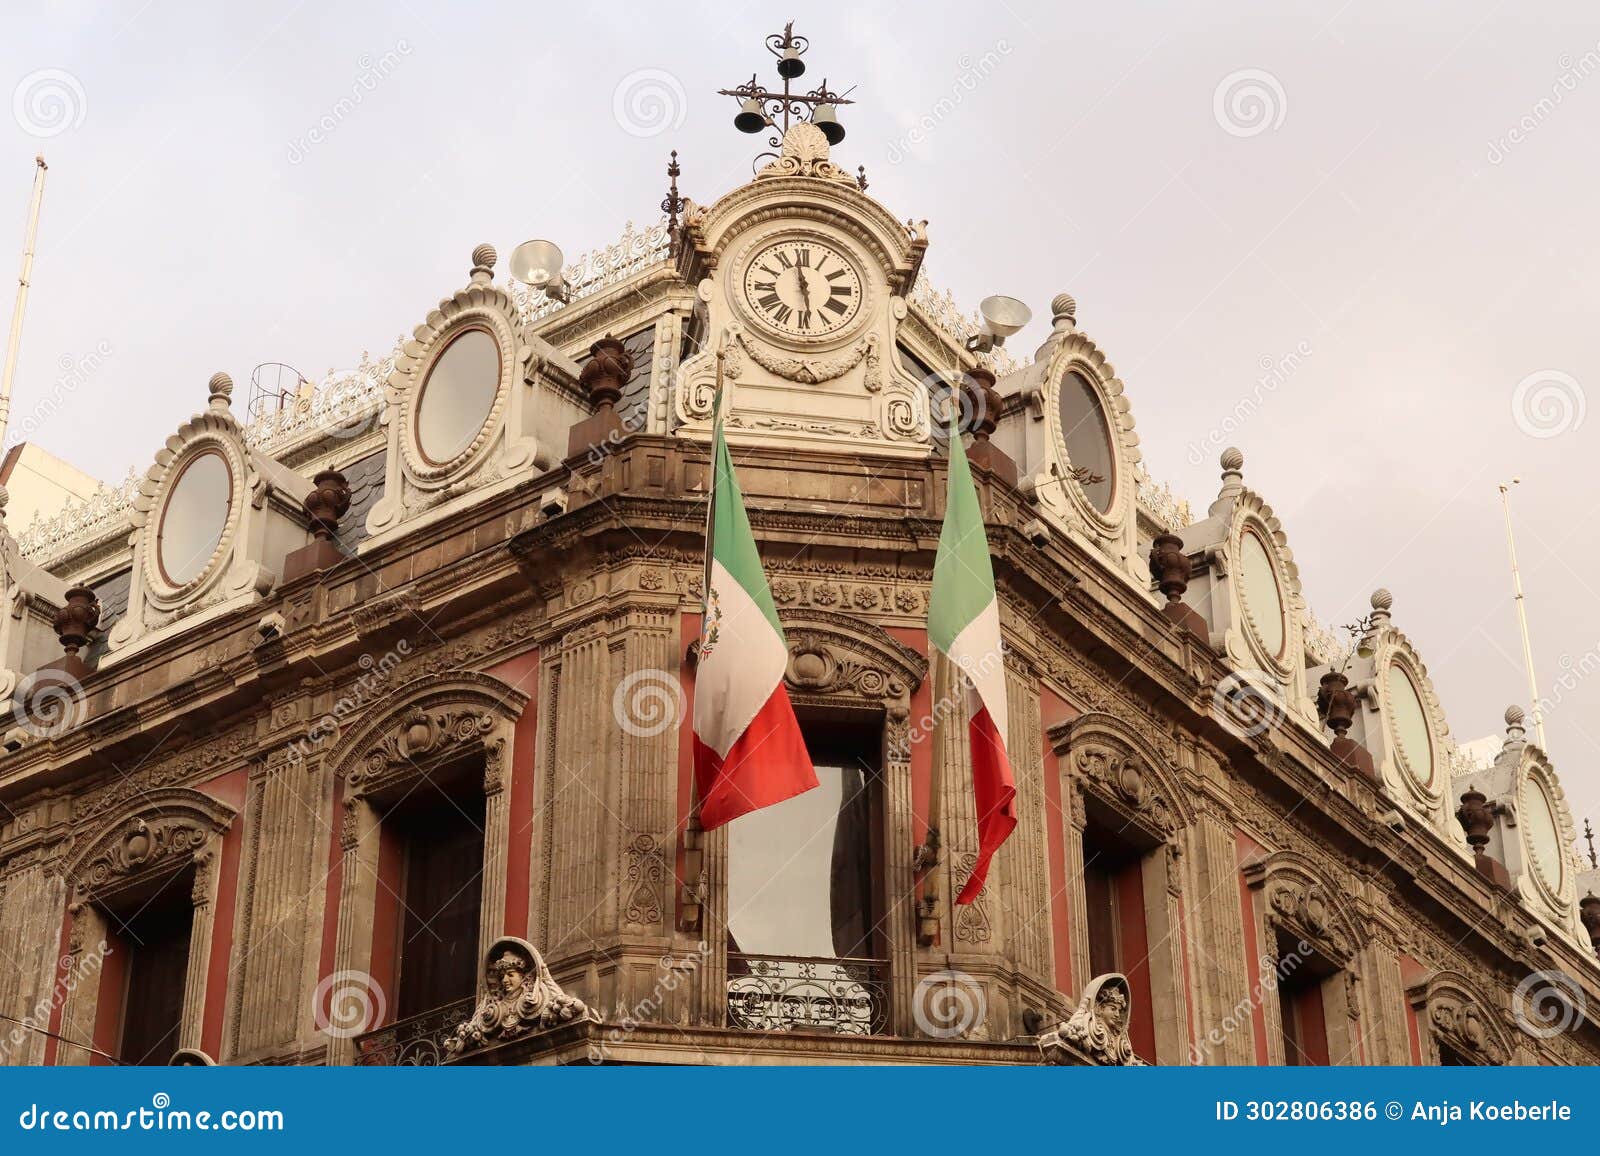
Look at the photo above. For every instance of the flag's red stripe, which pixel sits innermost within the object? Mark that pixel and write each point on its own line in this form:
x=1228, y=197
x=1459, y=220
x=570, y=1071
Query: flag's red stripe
x=766, y=765
x=995, y=792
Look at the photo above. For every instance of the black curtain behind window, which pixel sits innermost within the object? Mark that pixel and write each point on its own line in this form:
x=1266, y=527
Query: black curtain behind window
x=851, y=882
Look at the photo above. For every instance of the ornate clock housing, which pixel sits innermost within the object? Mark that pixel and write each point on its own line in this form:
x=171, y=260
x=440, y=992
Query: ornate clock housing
x=802, y=287
x=801, y=281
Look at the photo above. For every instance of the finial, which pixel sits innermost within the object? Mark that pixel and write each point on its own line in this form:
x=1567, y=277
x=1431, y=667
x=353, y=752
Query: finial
x=1588, y=834
x=1514, y=716
x=861, y=177
x=606, y=373
x=1232, y=482
x=330, y=501
x=1064, y=308
x=483, y=259
x=221, y=391
x=75, y=622
x=1382, y=599
x=672, y=203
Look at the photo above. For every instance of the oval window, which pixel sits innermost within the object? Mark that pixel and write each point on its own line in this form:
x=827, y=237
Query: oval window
x=194, y=518
x=1544, y=838
x=1409, y=721
x=1088, y=437
x=457, y=396
x=1259, y=584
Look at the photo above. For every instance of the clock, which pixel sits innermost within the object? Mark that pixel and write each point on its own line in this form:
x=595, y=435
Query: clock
x=802, y=288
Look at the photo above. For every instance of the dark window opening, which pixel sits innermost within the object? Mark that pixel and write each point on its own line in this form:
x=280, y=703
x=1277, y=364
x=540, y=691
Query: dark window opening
x=155, y=926
x=805, y=944
x=440, y=829
x=1114, y=856
x=1302, y=978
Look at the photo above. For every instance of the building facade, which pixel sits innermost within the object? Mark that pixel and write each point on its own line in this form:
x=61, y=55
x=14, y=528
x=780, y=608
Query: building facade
x=357, y=733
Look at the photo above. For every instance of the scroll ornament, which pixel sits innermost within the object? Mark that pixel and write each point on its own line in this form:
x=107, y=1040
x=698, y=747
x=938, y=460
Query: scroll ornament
x=521, y=998
x=1099, y=1026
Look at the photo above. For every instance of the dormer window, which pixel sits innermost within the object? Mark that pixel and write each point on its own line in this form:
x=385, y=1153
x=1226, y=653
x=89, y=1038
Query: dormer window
x=1263, y=602
x=1408, y=723
x=1087, y=435
x=458, y=395
x=194, y=518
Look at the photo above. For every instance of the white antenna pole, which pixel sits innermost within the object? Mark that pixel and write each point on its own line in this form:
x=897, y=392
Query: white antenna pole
x=15, y=340
x=1522, y=614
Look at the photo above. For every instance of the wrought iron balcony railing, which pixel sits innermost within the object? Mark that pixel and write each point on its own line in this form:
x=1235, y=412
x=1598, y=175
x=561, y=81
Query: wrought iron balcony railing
x=415, y=1042
x=785, y=993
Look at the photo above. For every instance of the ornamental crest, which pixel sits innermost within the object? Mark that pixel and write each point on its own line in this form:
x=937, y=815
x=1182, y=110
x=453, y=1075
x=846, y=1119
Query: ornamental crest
x=1099, y=1027
x=521, y=998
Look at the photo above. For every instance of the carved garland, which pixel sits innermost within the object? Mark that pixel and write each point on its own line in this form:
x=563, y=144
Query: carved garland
x=163, y=831
x=1308, y=905
x=1455, y=1015
x=1108, y=758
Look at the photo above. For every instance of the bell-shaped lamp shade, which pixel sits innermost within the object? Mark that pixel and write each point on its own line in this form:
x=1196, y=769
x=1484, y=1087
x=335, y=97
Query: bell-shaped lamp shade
x=750, y=118
x=827, y=119
x=1003, y=316
x=789, y=64
x=538, y=263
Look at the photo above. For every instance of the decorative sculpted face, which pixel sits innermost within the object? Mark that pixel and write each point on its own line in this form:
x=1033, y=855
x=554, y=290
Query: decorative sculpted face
x=508, y=973
x=802, y=288
x=1113, y=1006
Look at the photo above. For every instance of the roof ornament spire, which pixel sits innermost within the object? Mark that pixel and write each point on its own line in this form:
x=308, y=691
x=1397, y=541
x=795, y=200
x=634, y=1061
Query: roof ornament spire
x=220, y=391
x=764, y=110
x=1516, y=733
x=1232, y=462
x=1588, y=834
x=672, y=204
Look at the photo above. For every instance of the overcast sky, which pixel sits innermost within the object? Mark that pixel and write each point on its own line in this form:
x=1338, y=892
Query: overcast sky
x=1399, y=197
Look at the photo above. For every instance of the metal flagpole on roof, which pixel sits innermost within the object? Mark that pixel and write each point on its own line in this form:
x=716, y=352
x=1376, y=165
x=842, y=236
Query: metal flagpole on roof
x=1522, y=615
x=14, y=341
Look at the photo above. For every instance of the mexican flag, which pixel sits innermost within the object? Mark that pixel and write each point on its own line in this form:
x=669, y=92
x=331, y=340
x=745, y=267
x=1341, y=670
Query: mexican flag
x=748, y=752
x=964, y=625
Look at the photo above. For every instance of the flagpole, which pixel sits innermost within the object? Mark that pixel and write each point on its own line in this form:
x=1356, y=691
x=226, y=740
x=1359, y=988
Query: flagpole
x=1522, y=615
x=693, y=833
x=693, y=830
x=23, y=280
x=926, y=857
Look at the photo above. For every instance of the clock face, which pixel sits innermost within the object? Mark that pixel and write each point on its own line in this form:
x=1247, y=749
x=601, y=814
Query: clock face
x=803, y=288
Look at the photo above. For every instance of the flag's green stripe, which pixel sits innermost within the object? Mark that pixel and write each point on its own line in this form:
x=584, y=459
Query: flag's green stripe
x=963, y=583
x=733, y=543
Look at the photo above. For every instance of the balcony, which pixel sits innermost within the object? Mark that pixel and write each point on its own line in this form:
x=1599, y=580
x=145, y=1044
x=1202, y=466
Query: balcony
x=417, y=1042
x=775, y=993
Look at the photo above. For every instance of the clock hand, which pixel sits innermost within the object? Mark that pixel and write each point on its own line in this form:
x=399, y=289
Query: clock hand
x=805, y=290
